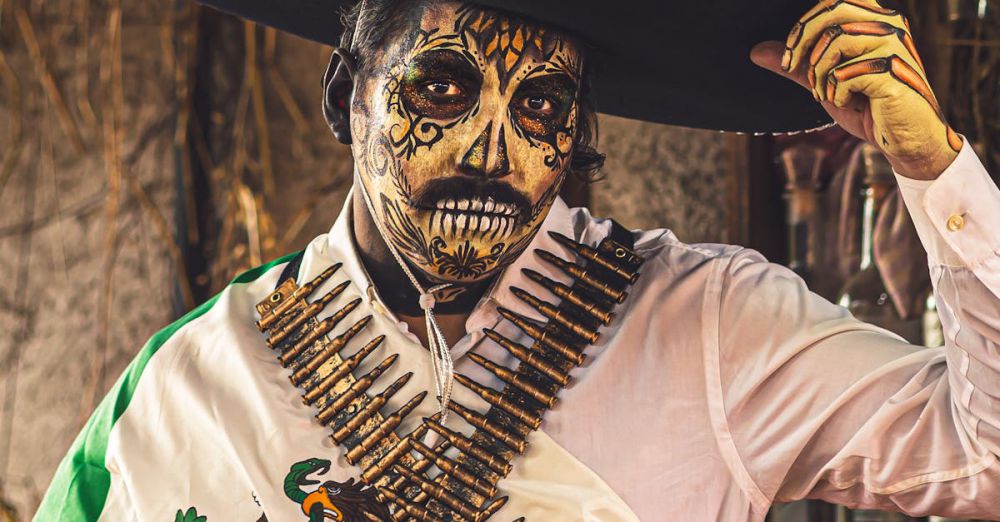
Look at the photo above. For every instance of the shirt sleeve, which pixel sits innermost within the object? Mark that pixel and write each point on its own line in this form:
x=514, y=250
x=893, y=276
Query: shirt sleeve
x=819, y=405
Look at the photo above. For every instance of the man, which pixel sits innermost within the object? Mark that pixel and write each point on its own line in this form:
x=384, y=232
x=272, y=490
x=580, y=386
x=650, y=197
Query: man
x=575, y=371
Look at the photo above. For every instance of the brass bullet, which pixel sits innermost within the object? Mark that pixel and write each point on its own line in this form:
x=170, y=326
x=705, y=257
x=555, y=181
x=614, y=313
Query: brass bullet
x=470, y=448
x=333, y=347
x=494, y=398
x=578, y=272
x=492, y=508
x=316, y=390
x=526, y=356
x=418, y=466
x=499, y=433
x=359, y=386
x=384, y=429
x=452, y=469
x=438, y=493
x=366, y=413
x=567, y=294
x=423, y=465
x=513, y=379
x=419, y=512
x=420, y=499
x=543, y=335
x=281, y=333
x=300, y=293
x=318, y=331
x=564, y=319
x=591, y=254
x=372, y=473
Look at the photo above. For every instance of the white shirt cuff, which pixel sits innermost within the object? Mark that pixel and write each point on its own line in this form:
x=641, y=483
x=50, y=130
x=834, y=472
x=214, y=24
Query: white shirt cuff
x=957, y=215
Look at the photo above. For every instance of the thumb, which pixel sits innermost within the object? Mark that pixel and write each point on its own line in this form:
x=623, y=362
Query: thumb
x=768, y=56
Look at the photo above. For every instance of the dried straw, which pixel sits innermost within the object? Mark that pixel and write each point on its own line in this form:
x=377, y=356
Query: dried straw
x=16, y=147
x=46, y=79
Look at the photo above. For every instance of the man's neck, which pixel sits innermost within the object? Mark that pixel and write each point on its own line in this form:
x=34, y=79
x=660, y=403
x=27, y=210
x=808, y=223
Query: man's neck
x=395, y=289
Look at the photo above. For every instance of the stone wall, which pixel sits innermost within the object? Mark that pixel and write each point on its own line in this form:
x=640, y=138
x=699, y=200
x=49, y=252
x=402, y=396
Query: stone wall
x=657, y=176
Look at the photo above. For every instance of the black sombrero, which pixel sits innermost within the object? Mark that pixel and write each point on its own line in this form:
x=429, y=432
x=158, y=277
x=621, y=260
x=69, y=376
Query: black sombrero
x=678, y=62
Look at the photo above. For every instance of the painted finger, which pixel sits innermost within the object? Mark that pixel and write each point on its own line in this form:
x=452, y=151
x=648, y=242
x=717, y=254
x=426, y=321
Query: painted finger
x=804, y=34
x=876, y=78
x=881, y=78
x=843, y=43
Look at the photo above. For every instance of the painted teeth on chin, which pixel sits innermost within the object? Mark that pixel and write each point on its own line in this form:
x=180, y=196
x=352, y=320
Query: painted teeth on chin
x=490, y=206
x=463, y=204
x=497, y=226
x=448, y=224
x=477, y=205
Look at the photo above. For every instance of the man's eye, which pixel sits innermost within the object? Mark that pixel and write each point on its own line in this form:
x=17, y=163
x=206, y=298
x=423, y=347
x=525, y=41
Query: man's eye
x=443, y=89
x=538, y=104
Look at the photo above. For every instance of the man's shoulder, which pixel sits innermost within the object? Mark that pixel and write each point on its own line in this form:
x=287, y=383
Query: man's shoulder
x=658, y=245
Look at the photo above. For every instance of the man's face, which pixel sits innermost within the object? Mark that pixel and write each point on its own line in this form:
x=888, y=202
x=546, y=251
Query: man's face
x=462, y=134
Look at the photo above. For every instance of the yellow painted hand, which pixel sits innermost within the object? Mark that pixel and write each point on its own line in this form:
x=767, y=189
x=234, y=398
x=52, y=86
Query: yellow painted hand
x=860, y=62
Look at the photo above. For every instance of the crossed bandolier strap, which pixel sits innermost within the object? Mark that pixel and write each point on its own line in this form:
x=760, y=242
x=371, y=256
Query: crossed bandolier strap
x=465, y=489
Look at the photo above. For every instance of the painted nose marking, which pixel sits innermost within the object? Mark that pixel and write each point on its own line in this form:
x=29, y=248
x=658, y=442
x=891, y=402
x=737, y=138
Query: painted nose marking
x=483, y=161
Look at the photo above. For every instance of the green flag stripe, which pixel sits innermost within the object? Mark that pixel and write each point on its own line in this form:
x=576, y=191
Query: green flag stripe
x=80, y=486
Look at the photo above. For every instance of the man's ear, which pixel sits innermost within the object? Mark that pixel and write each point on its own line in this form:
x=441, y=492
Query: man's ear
x=338, y=84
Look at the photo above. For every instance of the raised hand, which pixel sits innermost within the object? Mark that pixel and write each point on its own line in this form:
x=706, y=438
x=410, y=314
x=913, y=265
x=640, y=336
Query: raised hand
x=860, y=62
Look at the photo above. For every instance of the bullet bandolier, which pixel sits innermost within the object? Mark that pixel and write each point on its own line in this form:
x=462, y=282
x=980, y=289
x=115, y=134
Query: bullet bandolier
x=399, y=466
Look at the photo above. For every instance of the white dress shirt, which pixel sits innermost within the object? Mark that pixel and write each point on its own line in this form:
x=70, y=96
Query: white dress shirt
x=722, y=385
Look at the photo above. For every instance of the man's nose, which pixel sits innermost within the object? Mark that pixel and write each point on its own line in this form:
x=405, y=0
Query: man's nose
x=488, y=155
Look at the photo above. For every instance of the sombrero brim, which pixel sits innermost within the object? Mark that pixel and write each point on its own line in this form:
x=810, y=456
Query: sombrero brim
x=681, y=63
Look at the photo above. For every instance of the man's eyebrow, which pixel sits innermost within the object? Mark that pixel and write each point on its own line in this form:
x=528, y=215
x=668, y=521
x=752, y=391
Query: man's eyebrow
x=446, y=62
x=544, y=77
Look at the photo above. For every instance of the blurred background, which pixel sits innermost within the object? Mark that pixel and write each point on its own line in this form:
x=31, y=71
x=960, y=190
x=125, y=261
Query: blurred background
x=150, y=151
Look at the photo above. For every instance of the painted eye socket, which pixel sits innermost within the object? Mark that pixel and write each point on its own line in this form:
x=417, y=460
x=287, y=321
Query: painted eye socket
x=443, y=89
x=539, y=105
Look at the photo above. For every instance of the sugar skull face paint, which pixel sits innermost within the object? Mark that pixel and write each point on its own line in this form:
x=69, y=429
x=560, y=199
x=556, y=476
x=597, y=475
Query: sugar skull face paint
x=462, y=135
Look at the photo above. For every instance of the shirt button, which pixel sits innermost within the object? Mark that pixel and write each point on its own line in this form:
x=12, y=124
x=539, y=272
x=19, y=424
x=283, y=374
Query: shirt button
x=956, y=222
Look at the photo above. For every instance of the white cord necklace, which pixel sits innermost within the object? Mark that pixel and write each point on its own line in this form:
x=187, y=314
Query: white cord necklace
x=441, y=360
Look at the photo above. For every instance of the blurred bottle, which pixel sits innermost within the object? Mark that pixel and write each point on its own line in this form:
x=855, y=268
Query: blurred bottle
x=865, y=293
x=802, y=165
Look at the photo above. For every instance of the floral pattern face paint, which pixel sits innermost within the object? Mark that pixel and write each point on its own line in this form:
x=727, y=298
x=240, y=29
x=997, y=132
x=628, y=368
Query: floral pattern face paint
x=462, y=136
